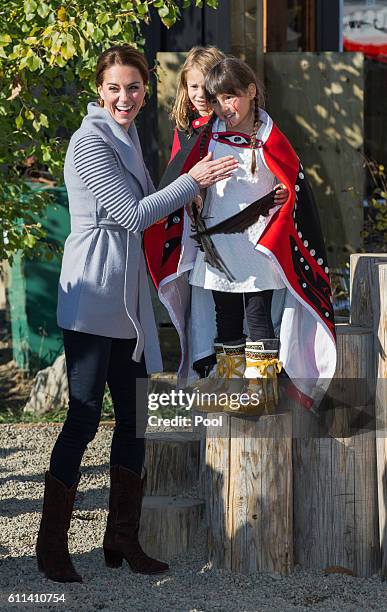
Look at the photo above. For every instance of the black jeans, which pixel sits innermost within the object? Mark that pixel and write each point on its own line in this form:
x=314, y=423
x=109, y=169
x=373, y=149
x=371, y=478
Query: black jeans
x=230, y=313
x=92, y=361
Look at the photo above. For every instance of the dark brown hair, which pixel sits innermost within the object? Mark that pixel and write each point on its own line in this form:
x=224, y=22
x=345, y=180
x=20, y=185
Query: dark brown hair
x=126, y=55
x=233, y=76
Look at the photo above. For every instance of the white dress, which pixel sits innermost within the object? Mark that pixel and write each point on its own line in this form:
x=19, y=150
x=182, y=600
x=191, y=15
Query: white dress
x=252, y=270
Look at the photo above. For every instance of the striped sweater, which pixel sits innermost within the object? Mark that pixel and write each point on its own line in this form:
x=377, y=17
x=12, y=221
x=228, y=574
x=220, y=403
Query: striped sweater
x=98, y=167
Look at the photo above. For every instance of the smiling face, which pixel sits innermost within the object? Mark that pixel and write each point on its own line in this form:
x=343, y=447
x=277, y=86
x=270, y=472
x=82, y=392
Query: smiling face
x=122, y=92
x=195, y=88
x=236, y=110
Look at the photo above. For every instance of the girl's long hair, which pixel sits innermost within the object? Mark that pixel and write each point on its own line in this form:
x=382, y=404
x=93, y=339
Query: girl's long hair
x=199, y=58
x=233, y=76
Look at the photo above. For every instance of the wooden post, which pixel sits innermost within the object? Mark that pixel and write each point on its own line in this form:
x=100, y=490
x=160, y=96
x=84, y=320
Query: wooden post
x=248, y=32
x=169, y=525
x=369, y=305
x=335, y=501
x=248, y=488
x=172, y=463
x=4, y=272
x=364, y=288
x=380, y=320
x=277, y=25
x=172, y=514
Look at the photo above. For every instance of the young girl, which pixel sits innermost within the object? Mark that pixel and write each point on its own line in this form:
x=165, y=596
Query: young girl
x=278, y=264
x=163, y=242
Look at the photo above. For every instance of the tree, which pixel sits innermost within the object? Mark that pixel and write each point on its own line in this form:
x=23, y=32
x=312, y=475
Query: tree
x=48, y=53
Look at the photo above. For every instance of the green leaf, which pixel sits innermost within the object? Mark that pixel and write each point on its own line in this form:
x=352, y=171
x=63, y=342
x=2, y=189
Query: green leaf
x=33, y=62
x=82, y=45
x=43, y=10
x=19, y=122
x=46, y=154
x=102, y=18
x=89, y=28
x=60, y=61
x=43, y=120
x=98, y=35
x=30, y=7
x=116, y=29
x=5, y=39
x=163, y=11
x=30, y=241
x=142, y=9
x=68, y=48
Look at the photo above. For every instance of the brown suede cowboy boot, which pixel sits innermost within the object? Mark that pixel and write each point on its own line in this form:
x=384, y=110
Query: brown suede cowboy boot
x=121, y=536
x=52, y=550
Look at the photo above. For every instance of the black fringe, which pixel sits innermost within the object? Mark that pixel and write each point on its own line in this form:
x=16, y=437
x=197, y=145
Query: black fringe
x=233, y=225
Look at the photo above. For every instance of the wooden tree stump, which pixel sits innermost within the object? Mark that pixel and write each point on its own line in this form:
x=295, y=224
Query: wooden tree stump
x=379, y=298
x=365, y=288
x=369, y=306
x=248, y=485
x=169, y=525
x=172, y=462
x=335, y=501
x=50, y=389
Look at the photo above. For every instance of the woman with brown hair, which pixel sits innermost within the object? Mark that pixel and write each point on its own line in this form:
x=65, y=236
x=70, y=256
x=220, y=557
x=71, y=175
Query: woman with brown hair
x=105, y=311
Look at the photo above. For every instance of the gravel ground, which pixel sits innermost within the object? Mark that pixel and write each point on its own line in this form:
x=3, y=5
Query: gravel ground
x=191, y=585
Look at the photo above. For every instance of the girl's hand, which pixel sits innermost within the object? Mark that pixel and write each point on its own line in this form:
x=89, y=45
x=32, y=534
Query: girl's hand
x=198, y=201
x=207, y=172
x=281, y=194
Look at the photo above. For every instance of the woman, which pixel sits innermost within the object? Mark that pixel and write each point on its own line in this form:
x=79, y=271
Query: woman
x=105, y=311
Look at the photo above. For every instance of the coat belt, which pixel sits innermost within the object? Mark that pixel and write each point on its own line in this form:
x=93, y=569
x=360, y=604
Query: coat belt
x=79, y=226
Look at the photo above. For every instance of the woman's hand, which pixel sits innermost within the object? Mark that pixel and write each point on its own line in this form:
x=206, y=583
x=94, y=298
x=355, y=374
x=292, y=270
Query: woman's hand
x=207, y=172
x=198, y=201
x=281, y=194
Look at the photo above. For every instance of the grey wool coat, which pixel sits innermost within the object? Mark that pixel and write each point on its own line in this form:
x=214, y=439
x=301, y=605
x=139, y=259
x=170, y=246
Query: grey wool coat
x=103, y=286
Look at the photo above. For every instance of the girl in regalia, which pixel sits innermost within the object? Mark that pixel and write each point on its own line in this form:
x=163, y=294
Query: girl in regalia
x=261, y=269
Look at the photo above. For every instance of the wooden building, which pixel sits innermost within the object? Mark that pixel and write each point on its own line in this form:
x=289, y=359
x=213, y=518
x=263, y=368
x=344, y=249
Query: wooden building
x=246, y=28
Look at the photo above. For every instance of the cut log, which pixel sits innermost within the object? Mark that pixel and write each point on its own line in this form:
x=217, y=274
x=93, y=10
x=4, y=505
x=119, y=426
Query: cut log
x=364, y=288
x=379, y=298
x=169, y=525
x=172, y=462
x=50, y=389
x=248, y=488
x=369, y=306
x=335, y=508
